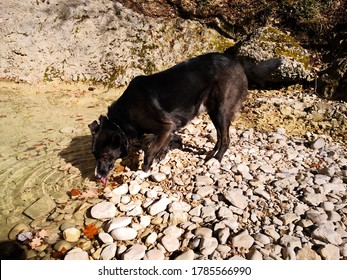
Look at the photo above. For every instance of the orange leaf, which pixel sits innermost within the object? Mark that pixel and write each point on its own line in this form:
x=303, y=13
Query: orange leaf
x=59, y=254
x=90, y=231
x=75, y=192
x=120, y=168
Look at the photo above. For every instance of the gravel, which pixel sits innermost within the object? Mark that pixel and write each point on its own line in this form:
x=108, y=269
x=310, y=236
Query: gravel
x=273, y=196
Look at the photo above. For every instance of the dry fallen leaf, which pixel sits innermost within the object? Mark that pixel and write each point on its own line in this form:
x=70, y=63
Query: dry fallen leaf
x=90, y=193
x=120, y=169
x=59, y=254
x=90, y=231
x=75, y=192
x=44, y=233
x=35, y=242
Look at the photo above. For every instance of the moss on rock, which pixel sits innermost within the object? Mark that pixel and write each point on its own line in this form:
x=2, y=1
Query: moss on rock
x=269, y=42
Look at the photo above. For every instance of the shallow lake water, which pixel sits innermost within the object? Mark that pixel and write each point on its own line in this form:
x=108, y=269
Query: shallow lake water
x=45, y=143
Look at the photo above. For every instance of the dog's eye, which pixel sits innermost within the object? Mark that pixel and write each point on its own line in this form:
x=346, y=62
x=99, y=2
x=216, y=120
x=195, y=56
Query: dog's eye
x=105, y=157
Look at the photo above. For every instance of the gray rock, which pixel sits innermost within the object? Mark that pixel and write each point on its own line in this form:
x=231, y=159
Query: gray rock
x=187, y=255
x=154, y=254
x=243, y=169
x=158, y=177
x=203, y=232
x=288, y=218
x=151, y=238
x=262, y=238
x=170, y=243
x=205, y=191
x=317, y=144
x=236, y=198
x=329, y=252
x=290, y=241
x=17, y=229
x=41, y=207
x=62, y=245
x=306, y=253
x=208, y=245
x=203, y=181
x=76, y=254
x=140, y=41
x=254, y=254
x=179, y=206
x=272, y=232
x=223, y=235
x=196, y=211
x=328, y=206
x=173, y=231
x=268, y=42
x=158, y=206
x=325, y=233
x=242, y=240
x=267, y=169
x=314, y=199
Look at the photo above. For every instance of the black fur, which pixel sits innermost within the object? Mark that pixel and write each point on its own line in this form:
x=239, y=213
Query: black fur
x=164, y=102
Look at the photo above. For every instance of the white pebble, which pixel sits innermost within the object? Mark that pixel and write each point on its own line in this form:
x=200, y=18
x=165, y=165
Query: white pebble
x=158, y=206
x=242, y=240
x=118, y=222
x=103, y=210
x=71, y=234
x=135, y=252
x=109, y=252
x=124, y=233
x=170, y=243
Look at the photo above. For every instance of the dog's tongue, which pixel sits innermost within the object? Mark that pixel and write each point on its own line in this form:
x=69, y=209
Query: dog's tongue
x=103, y=180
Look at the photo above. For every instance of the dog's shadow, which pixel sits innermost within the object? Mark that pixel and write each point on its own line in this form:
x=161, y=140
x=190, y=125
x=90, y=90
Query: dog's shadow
x=79, y=154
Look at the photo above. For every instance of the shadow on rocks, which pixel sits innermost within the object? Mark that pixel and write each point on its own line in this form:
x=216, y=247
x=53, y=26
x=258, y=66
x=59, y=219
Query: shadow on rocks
x=11, y=250
x=79, y=154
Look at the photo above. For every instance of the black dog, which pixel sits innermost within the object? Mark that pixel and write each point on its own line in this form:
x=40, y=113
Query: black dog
x=164, y=102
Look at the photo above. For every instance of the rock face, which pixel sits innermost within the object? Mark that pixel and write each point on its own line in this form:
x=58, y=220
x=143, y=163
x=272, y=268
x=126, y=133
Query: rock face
x=268, y=42
x=97, y=41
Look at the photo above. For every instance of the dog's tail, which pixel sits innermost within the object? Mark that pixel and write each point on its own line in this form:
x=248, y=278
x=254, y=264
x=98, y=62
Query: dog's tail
x=261, y=72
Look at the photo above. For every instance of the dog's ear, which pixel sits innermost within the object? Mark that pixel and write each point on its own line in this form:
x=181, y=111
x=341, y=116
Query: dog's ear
x=116, y=140
x=102, y=119
x=94, y=127
x=119, y=143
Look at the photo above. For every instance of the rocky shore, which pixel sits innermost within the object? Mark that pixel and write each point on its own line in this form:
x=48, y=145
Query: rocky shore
x=279, y=193
x=274, y=196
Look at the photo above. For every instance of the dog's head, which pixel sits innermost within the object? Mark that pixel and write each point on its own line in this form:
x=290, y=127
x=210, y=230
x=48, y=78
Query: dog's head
x=108, y=145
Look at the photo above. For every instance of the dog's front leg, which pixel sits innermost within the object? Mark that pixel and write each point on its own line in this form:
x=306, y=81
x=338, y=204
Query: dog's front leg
x=155, y=149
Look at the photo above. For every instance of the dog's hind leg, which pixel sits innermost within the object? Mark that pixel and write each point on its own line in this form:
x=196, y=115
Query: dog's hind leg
x=222, y=123
x=222, y=108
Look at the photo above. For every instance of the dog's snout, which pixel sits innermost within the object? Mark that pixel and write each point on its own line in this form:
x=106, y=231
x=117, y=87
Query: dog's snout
x=96, y=173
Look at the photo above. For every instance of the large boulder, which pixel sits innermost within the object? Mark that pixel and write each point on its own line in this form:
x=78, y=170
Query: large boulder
x=101, y=41
x=268, y=42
